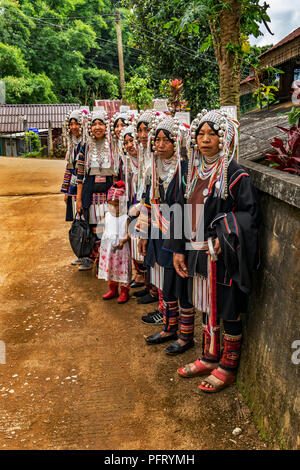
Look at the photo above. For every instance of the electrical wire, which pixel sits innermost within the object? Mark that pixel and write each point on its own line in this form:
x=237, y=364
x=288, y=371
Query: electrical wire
x=173, y=43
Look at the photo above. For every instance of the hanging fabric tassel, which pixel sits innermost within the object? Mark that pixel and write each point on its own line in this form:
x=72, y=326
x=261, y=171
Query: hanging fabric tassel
x=212, y=325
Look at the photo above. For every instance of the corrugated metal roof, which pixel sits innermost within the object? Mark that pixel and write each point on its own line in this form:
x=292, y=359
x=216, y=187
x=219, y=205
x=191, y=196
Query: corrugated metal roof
x=37, y=115
x=288, y=38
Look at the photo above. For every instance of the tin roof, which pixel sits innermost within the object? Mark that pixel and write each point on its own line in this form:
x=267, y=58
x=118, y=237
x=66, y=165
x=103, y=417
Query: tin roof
x=37, y=115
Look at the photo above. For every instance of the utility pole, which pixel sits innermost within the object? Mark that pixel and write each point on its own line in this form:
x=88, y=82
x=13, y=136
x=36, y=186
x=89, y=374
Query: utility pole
x=50, y=142
x=120, y=52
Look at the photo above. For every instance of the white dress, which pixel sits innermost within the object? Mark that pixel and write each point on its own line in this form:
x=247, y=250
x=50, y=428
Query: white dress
x=115, y=265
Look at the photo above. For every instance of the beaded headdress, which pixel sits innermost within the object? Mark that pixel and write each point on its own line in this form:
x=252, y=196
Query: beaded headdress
x=144, y=173
x=101, y=116
x=70, y=140
x=78, y=116
x=227, y=130
x=115, y=145
x=159, y=171
x=125, y=131
x=116, y=192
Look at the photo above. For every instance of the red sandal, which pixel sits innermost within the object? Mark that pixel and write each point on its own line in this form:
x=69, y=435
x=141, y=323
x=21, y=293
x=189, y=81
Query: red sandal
x=201, y=370
x=226, y=379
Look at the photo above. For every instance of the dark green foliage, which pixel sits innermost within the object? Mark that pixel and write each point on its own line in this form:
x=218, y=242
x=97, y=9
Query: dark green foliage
x=67, y=47
x=169, y=52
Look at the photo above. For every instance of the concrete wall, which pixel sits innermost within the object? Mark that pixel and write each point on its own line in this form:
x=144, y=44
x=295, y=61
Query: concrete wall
x=268, y=375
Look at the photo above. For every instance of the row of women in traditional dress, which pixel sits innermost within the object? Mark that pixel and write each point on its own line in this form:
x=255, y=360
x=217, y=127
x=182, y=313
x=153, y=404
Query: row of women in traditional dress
x=124, y=175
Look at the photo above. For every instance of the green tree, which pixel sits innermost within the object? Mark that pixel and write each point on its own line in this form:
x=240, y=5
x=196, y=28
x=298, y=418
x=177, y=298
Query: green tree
x=35, y=88
x=15, y=25
x=168, y=51
x=65, y=40
x=100, y=84
x=137, y=93
x=11, y=61
x=222, y=24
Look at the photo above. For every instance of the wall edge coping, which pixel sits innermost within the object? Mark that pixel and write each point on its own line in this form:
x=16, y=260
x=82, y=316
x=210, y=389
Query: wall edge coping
x=278, y=184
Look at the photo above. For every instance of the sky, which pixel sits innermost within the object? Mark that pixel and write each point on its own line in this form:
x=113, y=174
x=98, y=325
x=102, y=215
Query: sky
x=285, y=18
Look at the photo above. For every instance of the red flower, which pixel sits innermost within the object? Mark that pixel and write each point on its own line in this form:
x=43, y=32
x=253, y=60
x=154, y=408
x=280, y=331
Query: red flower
x=176, y=82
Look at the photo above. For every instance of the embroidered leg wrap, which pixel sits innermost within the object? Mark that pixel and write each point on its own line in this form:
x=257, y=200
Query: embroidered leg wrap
x=206, y=355
x=139, y=267
x=153, y=291
x=161, y=307
x=95, y=252
x=187, y=316
x=232, y=347
x=170, y=316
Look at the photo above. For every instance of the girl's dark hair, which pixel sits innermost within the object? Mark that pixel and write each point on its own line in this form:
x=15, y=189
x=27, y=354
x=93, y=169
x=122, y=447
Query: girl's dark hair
x=128, y=133
x=211, y=125
x=167, y=134
x=117, y=120
x=142, y=122
x=72, y=120
x=97, y=119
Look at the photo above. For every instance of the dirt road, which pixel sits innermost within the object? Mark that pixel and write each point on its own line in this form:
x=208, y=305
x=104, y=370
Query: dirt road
x=78, y=373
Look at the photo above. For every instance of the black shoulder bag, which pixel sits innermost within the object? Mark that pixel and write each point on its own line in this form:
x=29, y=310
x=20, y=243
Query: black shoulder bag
x=81, y=237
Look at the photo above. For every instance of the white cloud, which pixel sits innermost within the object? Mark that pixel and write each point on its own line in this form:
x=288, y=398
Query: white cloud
x=285, y=18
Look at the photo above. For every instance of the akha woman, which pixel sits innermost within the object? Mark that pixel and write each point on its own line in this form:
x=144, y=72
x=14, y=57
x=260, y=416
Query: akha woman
x=99, y=171
x=167, y=171
x=134, y=205
x=74, y=173
x=218, y=264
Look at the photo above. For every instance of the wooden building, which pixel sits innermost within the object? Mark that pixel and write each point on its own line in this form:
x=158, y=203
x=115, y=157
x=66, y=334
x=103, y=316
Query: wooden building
x=15, y=119
x=285, y=55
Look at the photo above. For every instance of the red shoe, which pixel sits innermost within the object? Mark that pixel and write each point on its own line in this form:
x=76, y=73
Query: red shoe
x=124, y=297
x=113, y=291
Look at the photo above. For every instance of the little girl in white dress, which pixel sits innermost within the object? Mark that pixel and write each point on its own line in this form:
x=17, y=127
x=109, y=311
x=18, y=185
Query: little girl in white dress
x=115, y=256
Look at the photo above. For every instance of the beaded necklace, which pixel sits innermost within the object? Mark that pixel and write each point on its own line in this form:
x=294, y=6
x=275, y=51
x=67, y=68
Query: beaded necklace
x=212, y=169
x=99, y=154
x=71, y=155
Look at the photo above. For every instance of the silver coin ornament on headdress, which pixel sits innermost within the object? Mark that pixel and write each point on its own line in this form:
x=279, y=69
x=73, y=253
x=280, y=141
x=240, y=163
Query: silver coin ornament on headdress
x=227, y=130
x=96, y=115
x=144, y=162
x=129, y=130
x=70, y=140
x=126, y=117
x=165, y=170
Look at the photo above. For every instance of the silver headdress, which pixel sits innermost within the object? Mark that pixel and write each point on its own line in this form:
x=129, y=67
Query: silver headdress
x=126, y=131
x=165, y=170
x=144, y=174
x=100, y=115
x=70, y=140
x=227, y=130
x=98, y=158
x=115, y=144
x=131, y=163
